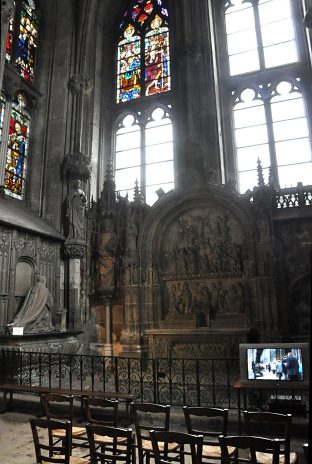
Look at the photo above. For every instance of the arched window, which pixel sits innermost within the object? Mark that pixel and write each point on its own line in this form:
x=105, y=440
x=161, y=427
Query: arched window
x=22, y=38
x=265, y=74
x=143, y=136
x=15, y=116
x=144, y=154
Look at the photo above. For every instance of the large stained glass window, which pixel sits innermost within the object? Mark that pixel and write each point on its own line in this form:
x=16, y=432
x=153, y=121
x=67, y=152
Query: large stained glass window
x=143, y=66
x=22, y=38
x=16, y=161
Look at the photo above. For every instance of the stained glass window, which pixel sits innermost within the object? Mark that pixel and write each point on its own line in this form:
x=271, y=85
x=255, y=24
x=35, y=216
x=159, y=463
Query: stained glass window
x=27, y=40
x=16, y=161
x=9, y=40
x=2, y=109
x=143, y=51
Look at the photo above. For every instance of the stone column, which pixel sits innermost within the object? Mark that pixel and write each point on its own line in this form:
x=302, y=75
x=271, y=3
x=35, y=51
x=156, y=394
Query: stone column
x=108, y=346
x=7, y=8
x=75, y=253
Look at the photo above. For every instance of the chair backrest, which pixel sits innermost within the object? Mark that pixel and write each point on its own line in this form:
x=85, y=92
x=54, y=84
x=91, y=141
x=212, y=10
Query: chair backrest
x=270, y=425
x=209, y=422
x=46, y=451
x=101, y=411
x=149, y=416
x=58, y=406
x=195, y=442
x=121, y=451
x=247, y=447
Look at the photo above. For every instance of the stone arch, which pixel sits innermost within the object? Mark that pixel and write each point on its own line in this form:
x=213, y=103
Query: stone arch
x=154, y=235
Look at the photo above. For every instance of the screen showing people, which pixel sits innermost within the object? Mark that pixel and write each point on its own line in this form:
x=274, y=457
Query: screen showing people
x=275, y=364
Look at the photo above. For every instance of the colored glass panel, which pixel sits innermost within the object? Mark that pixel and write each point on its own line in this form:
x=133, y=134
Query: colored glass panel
x=27, y=40
x=157, y=64
x=129, y=66
x=16, y=162
x=143, y=51
x=2, y=109
x=9, y=41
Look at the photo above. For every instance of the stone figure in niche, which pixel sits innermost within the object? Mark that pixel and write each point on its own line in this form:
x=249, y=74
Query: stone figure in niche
x=186, y=299
x=76, y=205
x=35, y=314
x=108, y=242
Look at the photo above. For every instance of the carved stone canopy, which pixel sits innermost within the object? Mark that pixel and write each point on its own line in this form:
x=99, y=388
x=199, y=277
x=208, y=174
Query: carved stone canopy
x=77, y=166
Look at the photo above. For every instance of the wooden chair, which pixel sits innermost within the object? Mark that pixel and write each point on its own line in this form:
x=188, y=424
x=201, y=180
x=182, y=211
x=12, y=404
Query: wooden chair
x=104, y=412
x=47, y=451
x=60, y=407
x=305, y=448
x=271, y=425
x=209, y=422
x=146, y=417
x=247, y=448
x=100, y=439
x=167, y=443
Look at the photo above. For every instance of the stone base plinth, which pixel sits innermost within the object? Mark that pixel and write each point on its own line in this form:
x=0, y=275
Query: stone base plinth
x=54, y=342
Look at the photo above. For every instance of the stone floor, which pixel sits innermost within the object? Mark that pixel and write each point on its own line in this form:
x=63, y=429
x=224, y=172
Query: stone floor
x=16, y=445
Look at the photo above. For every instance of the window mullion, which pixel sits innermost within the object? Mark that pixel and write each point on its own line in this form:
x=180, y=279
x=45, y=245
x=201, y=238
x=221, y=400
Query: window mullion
x=259, y=35
x=143, y=160
x=273, y=159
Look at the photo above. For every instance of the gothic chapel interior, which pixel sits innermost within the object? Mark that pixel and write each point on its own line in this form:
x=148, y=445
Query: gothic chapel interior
x=156, y=175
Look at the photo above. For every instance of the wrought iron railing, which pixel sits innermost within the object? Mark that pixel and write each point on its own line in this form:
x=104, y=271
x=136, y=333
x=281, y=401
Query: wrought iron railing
x=198, y=382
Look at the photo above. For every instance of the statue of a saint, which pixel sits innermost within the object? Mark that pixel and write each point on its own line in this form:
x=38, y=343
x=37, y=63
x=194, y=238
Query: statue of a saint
x=35, y=313
x=76, y=205
x=106, y=258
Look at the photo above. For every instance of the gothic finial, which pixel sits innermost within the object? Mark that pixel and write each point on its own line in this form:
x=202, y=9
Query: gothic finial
x=138, y=198
x=260, y=173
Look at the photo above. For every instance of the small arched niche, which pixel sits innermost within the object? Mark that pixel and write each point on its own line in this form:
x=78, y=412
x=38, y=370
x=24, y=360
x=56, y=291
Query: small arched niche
x=24, y=277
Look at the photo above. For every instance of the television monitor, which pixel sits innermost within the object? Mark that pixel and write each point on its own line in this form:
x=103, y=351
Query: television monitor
x=276, y=365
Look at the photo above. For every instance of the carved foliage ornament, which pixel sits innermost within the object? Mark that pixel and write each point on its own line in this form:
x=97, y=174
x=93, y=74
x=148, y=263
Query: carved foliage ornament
x=80, y=84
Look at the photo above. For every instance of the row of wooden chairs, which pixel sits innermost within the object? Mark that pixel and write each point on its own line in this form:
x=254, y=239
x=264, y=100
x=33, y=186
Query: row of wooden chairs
x=210, y=423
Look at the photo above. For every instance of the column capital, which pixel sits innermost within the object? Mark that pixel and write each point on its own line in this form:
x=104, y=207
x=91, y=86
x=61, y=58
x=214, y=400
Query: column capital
x=75, y=250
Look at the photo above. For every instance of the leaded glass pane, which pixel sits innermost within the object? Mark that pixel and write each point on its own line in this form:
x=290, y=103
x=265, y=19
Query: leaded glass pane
x=27, y=40
x=16, y=162
x=157, y=64
x=290, y=175
x=129, y=66
x=151, y=195
x=2, y=109
x=9, y=39
x=248, y=179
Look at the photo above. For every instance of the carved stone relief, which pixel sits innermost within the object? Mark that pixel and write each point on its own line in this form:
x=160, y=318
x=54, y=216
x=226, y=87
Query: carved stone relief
x=203, y=268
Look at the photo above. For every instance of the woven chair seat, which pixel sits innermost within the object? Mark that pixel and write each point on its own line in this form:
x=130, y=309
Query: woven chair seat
x=215, y=451
x=266, y=458
x=76, y=432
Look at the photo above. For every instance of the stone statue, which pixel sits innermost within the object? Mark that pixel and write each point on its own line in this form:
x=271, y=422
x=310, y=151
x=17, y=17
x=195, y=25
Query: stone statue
x=76, y=205
x=107, y=256
x=35, y=313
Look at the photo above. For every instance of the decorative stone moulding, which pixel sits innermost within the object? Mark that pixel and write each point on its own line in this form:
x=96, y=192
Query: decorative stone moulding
x=77, y=166
x=75, y=250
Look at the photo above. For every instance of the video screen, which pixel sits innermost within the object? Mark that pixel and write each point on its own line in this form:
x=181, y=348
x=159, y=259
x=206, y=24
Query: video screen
x=274, y=364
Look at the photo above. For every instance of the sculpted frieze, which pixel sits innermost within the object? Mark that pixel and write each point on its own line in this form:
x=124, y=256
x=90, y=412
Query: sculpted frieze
x=207, y=297
x=202, y=243
x=4, y=239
